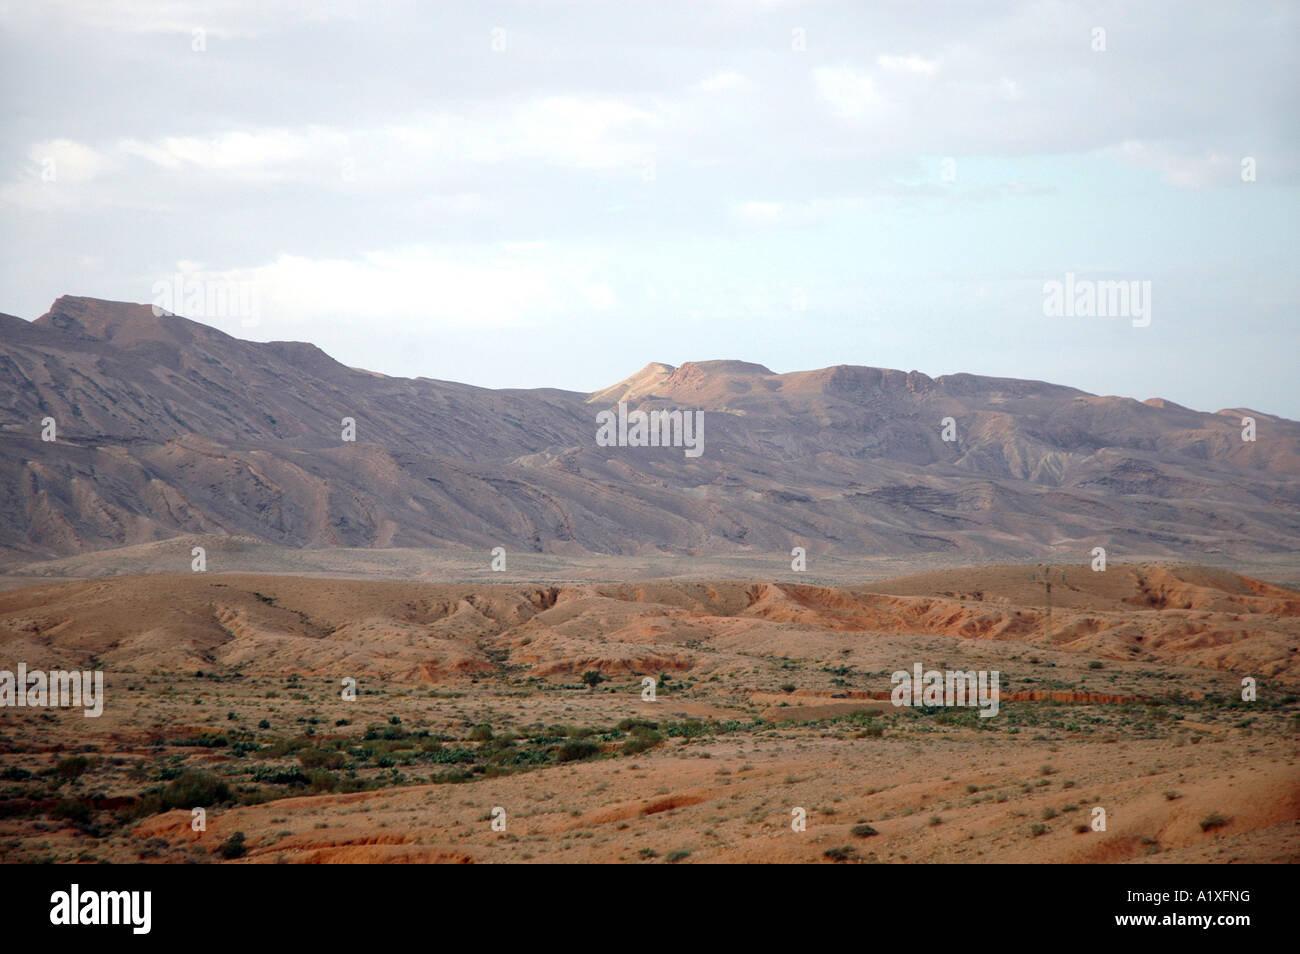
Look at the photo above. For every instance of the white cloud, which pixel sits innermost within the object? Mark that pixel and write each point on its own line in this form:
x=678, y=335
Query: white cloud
x=579, y=132
x=587, y=133
x=57, y=170
x=725, y=82
x=759, y=214
x=851, y=94
x=225, y=19
x=907, y=64
x=72, y=161
x=1193, y=170
x=506, y=285
x=263, y=154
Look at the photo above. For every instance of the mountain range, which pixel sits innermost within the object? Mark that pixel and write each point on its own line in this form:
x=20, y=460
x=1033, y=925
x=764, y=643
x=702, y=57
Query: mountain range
x=165, y=427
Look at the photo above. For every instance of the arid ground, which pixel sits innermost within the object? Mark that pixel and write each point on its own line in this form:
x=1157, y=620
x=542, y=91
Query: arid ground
x=224, y=692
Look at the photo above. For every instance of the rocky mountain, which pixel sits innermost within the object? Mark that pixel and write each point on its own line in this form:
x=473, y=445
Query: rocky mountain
x=166, y=427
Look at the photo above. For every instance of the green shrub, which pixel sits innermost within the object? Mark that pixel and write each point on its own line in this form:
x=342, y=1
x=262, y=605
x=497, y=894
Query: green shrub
x=233, y=847
x=323, y=781
x=631, y=725
x=577, y=750
x=643, y=740
x=194, y=789
x=73, y=766
x=72, y=810
x=321, y=758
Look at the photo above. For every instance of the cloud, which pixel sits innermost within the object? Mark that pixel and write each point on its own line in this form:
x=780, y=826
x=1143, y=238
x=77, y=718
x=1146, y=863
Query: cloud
x=725, y=82
x=498, y=286
x=225, y=19
x=55, y=170
x=804, y=213
x=580, y=133
x=237, y=151
x=850, y=93
x=1188, y=169
x=907, y=64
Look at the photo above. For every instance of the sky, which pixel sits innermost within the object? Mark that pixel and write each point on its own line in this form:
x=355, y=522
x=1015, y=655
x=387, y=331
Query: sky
x=555, y=194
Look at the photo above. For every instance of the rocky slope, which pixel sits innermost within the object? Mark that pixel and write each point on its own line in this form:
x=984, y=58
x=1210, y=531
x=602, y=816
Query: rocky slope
x=166, y=427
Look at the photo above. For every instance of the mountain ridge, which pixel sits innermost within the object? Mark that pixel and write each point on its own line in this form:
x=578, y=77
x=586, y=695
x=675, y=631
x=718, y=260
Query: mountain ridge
x=167, y=426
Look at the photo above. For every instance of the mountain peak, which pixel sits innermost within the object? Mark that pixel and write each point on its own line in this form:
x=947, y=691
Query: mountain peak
x=638, y=385
x=721, y=367
x=123, y=323
x=92, y=317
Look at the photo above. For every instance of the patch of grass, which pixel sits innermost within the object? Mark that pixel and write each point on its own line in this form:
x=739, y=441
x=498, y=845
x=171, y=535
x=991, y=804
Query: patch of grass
x=1212, y=821
x=320, y=758
x=643, y=740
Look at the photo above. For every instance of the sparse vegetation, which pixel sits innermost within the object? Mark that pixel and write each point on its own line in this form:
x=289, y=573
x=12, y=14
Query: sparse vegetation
x=233, y=847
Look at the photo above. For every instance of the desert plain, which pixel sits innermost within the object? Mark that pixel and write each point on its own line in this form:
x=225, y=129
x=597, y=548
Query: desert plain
x=510, y=721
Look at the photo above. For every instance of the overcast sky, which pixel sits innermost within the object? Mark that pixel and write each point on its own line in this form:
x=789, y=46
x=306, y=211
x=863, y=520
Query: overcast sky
x=555, y=194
